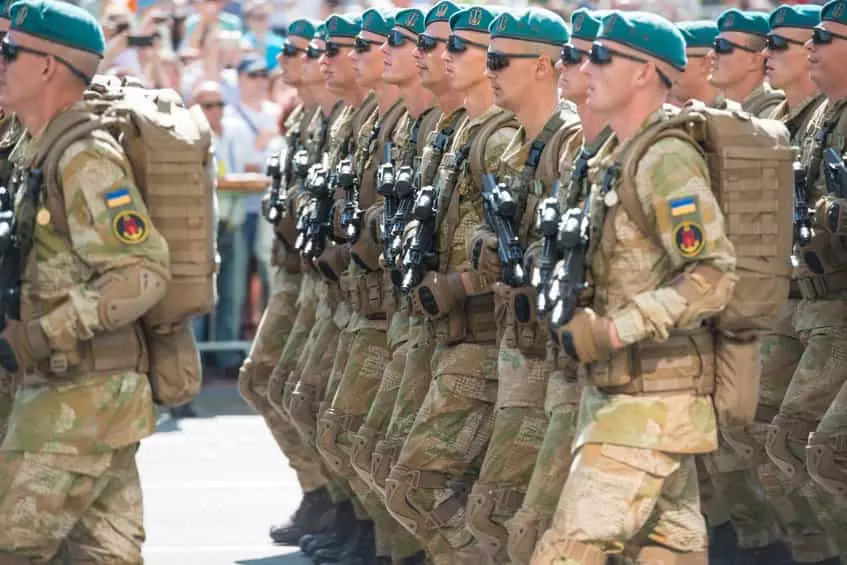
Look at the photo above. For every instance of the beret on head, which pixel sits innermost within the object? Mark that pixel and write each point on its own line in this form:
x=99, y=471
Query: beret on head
x=320, y=31
x=585, y=24
x=648, y=33
x=377, y=22
x=533, y=24
x=58, y=22
x=344, y=25
x=698, y=33
x=803, y=16
x=411, y=19
x=754, y=23
x=835, y=11
x=441, y=12
x=475, y=18
x=303, y=27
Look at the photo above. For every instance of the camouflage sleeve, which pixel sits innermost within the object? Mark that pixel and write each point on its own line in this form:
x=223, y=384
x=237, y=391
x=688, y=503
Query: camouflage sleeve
x=110, y=230
x=672, y=182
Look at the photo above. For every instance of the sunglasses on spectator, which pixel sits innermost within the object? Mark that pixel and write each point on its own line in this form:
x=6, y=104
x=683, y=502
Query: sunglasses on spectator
x=428, y=43
x=258, y=74
x=496, y=61
x=723, y=46
x=333, y=48
x=821, y=36
x=9, y=51
x=313, y=52
x=602, y=55
x=572, y=55
x=456, y=44
x=291, y=50
x=216, y=105
x=363, y=45
x=398, y=39
x=780, y=43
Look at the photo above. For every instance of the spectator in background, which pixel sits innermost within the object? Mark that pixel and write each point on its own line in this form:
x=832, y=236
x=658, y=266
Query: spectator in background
x=208, y=17
x=214, y=60
x=259, y=35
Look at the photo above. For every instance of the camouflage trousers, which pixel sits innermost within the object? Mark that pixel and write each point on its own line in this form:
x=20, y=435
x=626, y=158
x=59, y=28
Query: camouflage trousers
x=552, y=465
x=274, y=330
x=617, y=497
x=519, y=426
x=804, y=374
x=71, y=508
x=427, y=489
x=7, y=399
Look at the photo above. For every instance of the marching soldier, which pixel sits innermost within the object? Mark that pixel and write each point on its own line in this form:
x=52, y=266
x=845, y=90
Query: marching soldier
x=694, y=82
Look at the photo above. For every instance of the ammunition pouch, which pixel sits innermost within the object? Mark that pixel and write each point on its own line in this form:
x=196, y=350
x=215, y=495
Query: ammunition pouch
x=515, y=308
x=474, y=322
x=364, y=443
x=333, y=262
x=286, y=229
x=826, y=460
x=286, y=258
x=787, y=438
x=367, y=293
x=330, y=426
x=822, y=286
x=642, y=368
x=525, y=529
x=107, y=353
x=384, y=457
x=485, y=502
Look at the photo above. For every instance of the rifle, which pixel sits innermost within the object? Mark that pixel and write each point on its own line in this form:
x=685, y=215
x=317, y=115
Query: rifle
x=547, y=224
x=277, y=199
x=385, y=187
x=348, y=181
x=500, y=211
x=802, y=213
x=404, y=192
x=10, y=259
x=318, y=221
x=835, y=173
x=300, y=165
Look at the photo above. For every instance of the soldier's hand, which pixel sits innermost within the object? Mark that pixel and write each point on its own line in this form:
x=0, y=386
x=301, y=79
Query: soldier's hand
x=439, y=294
x=484, y=256
x=587, y=337
x=22, y=344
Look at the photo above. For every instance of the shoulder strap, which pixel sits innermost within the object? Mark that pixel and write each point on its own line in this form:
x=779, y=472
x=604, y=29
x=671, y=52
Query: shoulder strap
x=836, y=113
x=538, y=144
x=478, y=141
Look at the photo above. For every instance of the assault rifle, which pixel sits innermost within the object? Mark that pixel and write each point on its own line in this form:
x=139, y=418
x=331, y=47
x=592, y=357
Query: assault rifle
x=835, y=173
x=277, y=198
x=318, y=221
x=420, y=254
x=500, y=213
x=385, y=188
x=347, y=180
x=547, y=224
x=404, y=191
x=802, y=214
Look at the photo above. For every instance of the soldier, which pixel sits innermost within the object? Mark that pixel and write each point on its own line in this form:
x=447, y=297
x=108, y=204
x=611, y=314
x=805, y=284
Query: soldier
x=427, y=488
x=522, y=56
x=67, y=465
x=633, y=480
x=802, y=438
x=563, y=391
x=694, y=82
x=738, y=63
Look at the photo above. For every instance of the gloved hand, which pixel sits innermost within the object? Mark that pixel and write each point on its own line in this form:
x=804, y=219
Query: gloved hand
x=587, y=337
x=484, y=256
x=367, y=249
x=439, y=294
x=22, y=344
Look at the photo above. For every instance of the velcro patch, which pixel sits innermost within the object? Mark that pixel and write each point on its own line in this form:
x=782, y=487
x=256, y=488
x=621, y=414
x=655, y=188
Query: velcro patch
x=130, y=227
x=680, y=217
x=689, y=239
x=118, y=198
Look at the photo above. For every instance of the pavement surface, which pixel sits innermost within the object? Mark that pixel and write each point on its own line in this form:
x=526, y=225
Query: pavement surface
x=214, y=484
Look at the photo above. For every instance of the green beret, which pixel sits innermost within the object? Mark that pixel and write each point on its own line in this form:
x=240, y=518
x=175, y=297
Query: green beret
x=376, y=22
x=533, y=24
x=4, y=9
x=835, y=11
x=476, y=18
x=755, y=23
x=411, y=19
x=441, y=12
x=344, y=25
x=585, y=24
x=648, y=33
x=320, y=32
x=58, y=22
x=698, y=33
x=806, y=16
x=304, y=27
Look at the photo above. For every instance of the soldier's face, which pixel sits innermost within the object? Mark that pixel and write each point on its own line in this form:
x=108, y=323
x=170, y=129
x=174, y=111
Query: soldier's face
x=688, y=83
x=399, y=58
x=428, y=56
x=21, y=79
x=787, y=61
x=514, y=85
x=465, y=65
x=337, y=65
x=826, y=60
x=733, y=67
x=311, y=72
x=573, y=83
x=610, y=84
x=367, y=59
x=291, y=62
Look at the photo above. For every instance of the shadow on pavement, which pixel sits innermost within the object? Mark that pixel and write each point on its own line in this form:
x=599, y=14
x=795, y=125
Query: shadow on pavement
x=288, y=559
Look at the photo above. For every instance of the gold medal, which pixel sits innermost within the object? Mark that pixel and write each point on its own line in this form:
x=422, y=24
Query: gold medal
x=43, y=217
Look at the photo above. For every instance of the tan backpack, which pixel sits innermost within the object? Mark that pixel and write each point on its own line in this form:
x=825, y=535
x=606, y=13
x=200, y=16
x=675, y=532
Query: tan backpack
x=170, y=150
x=750, y=167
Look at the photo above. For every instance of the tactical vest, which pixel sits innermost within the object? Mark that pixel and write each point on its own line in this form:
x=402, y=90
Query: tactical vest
x=762, y=101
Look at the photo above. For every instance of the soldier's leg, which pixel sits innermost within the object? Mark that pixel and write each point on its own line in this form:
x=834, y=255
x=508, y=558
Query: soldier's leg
x=427, y=490
x=519, y=426
x=617, y=494
x=551, y=467
x=7, y=399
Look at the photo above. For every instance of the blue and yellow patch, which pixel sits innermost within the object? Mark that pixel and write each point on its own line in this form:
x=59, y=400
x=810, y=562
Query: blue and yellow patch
x=118, y=198
x=683, y=206
x=688, y=239
x=130, y=227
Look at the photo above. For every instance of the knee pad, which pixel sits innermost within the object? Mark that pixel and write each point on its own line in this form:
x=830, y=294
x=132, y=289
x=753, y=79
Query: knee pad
x=301, y=410
x=741, y=441
x=826, y=457
x=287, y=391
x=245, y=385
x=330, y=426
x=364, y=443
x=385, y=455
x=551, y=550
x=401, y=481
x=525, y=529
x=782, y=434
x=485, y=502
x=273, y=392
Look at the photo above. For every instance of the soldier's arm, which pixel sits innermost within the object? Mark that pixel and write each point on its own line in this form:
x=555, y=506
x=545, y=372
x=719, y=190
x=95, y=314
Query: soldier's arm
x=673, y=186
x=111, y=231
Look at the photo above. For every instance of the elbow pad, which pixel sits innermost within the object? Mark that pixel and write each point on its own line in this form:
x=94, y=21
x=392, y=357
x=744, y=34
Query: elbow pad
x=127, y=293
x=706, y=291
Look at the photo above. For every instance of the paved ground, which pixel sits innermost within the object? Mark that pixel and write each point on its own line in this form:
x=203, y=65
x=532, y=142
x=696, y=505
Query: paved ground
x=213, y=485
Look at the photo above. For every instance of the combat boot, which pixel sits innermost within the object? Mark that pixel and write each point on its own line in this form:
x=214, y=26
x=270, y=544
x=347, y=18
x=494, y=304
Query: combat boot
x=314, y=515
x=342, y=527
x=774, y=554
x=723, y=544
x=360, y=548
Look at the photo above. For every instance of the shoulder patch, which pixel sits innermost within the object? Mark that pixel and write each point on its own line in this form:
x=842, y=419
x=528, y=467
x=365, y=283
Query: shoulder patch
x=688, y=238
x=118, y=198
x=130, y=227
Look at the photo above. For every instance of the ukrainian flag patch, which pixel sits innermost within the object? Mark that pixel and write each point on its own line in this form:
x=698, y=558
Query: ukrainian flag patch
x=118, y=198
x=683, y=206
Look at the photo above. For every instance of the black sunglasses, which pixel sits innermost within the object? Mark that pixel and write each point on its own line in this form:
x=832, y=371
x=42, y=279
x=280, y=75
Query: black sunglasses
x=601, y=55
x=821, y=36
x=780, y=43
x=495, y=61
x=397, y=39
x=313, y=52
x=456, y=44
x=291, y=50
x=723, y=46
x=572, y=55
x=258, y=74
x=428, y=43
x=9, y=51
x=212, y=105
x=333, y=48
x=363, y=45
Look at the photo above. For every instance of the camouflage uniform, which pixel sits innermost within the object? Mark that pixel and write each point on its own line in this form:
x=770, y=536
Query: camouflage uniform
x=762, y=101
x=426, y=490
x=67, y=464
x=633, y=478
x=522, y=367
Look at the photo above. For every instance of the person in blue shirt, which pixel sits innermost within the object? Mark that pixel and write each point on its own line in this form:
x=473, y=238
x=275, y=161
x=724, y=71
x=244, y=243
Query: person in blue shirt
x=259, y=35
